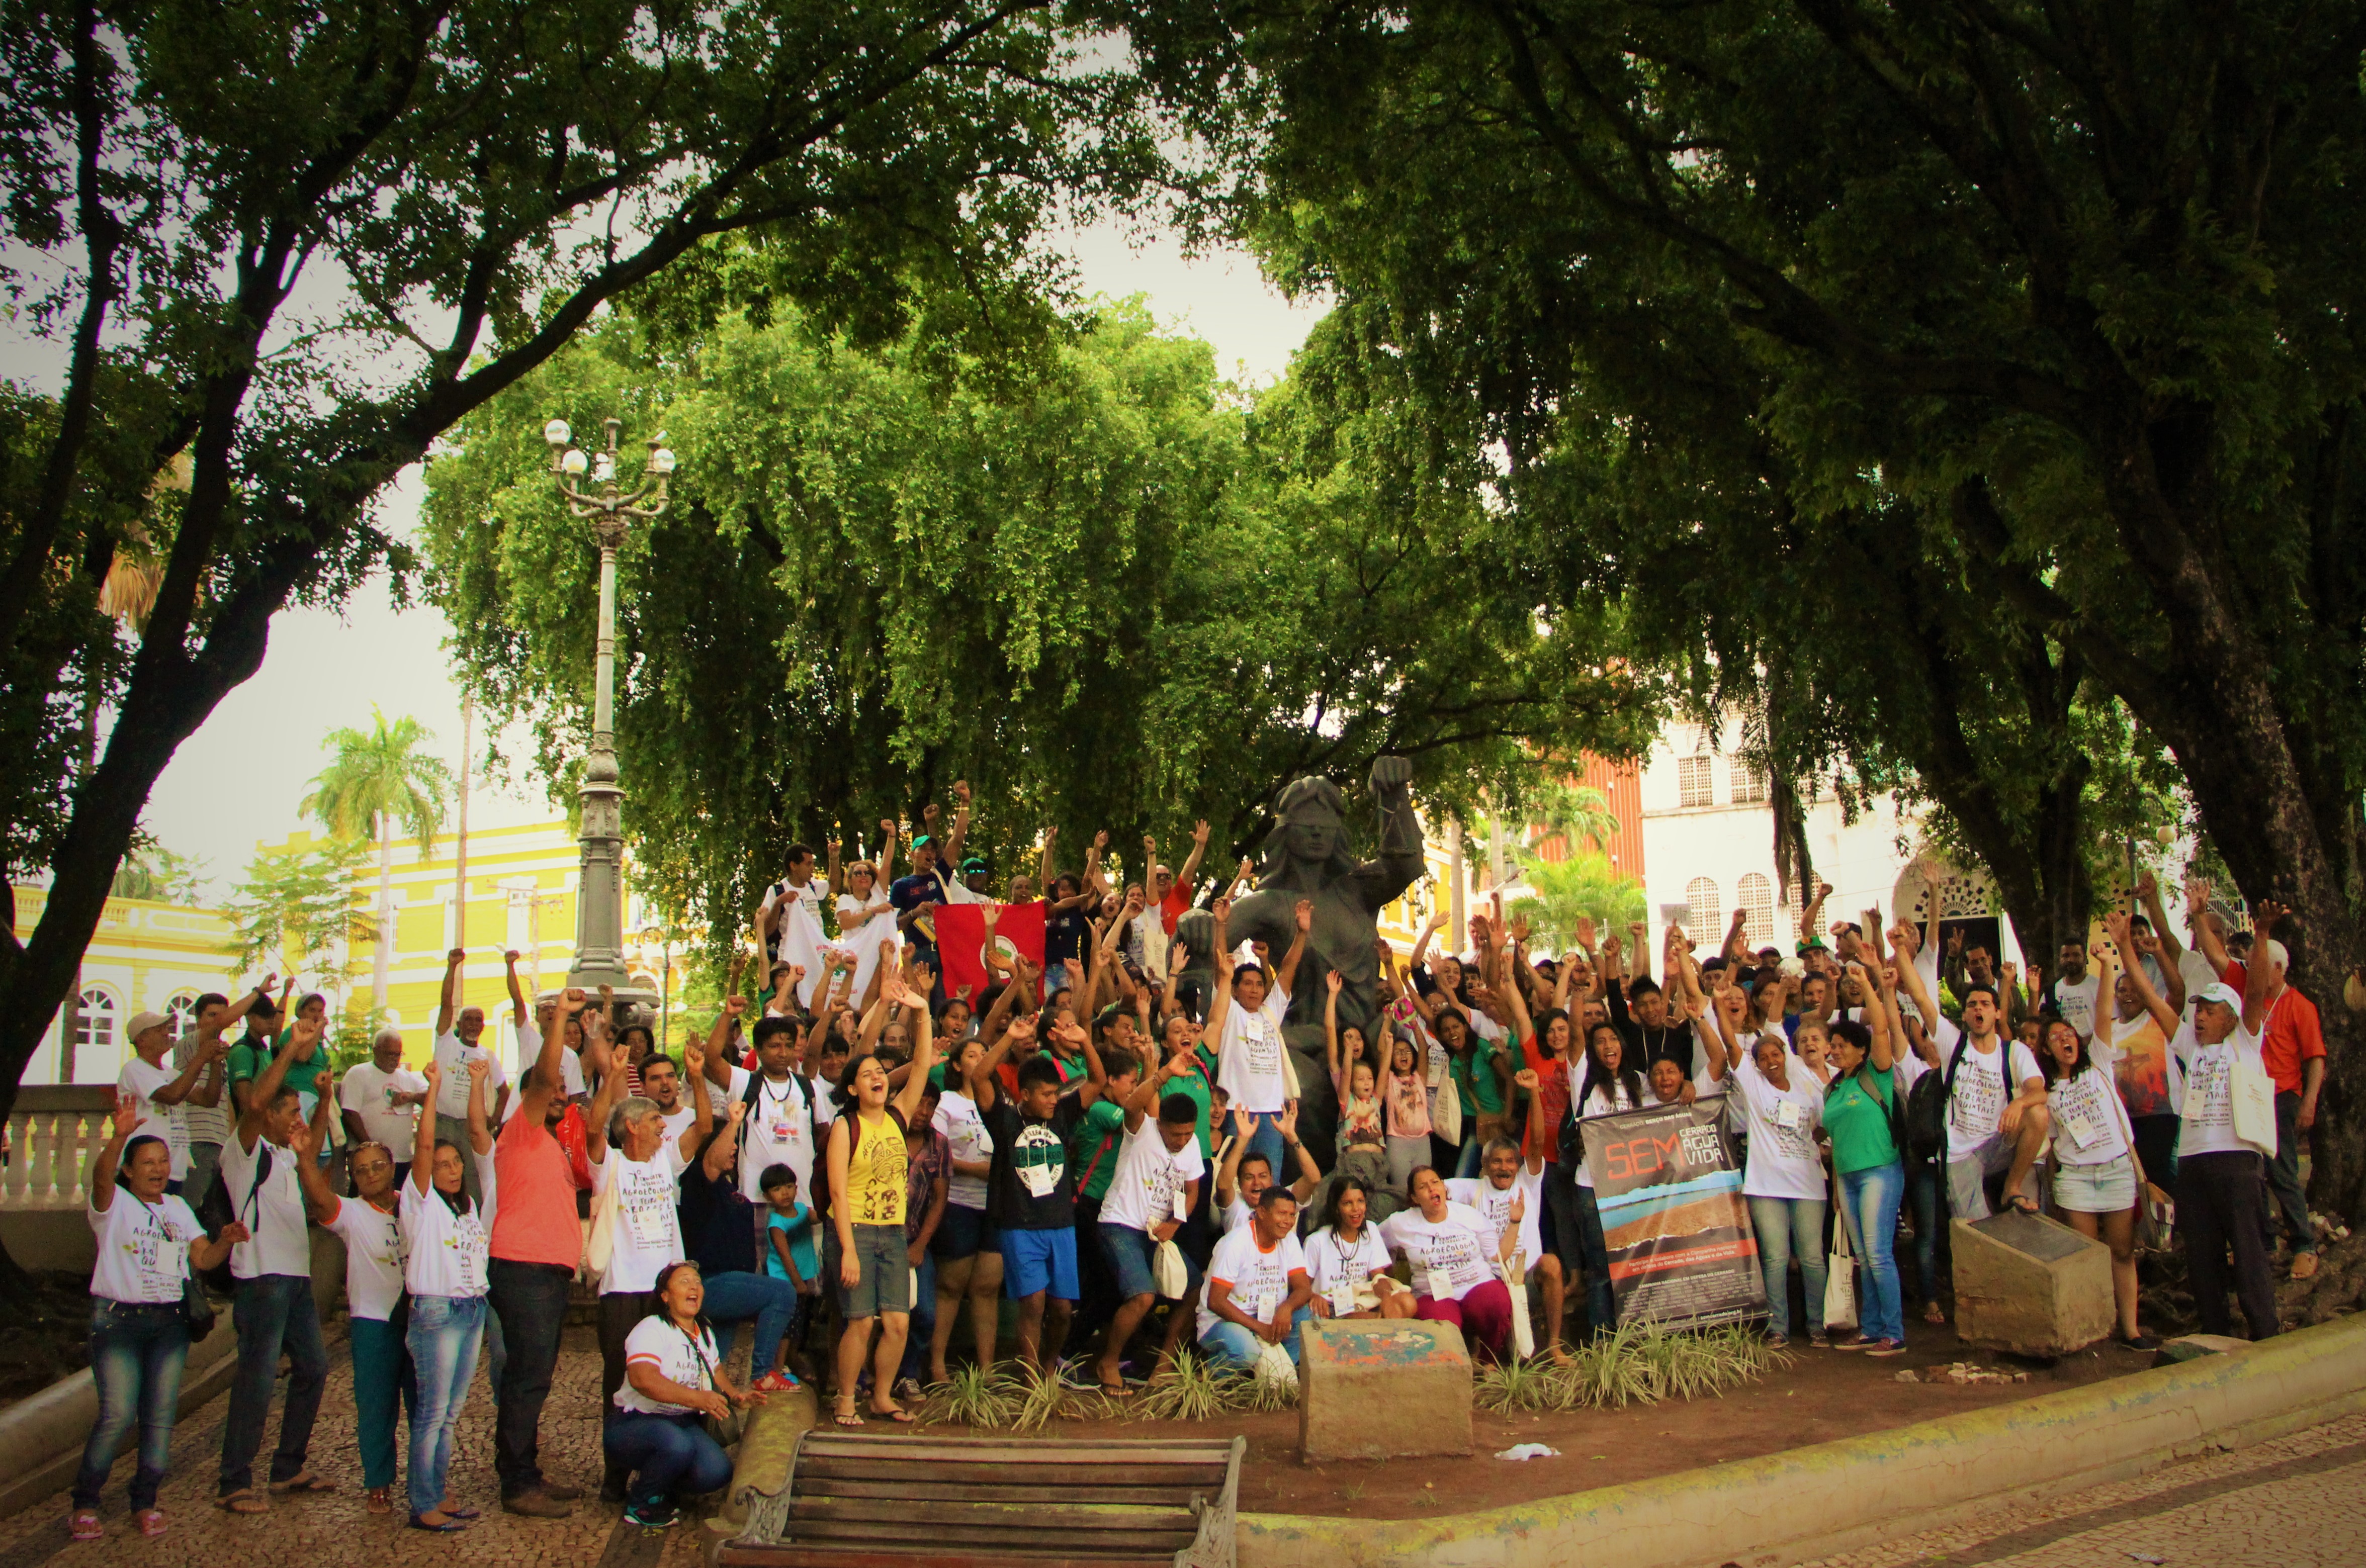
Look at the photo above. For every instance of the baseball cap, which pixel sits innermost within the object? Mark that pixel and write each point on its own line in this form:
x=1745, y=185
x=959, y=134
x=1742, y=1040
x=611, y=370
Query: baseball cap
x=973, y=863
x=144, y=1021
x=2222, y=993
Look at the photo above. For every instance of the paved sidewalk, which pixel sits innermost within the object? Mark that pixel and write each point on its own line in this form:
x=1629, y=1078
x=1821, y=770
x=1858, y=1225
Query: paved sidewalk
x=2298, y=1502
x=335, y=1529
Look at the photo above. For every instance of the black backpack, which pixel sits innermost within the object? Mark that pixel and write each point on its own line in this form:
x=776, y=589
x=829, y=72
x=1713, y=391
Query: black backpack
x=215, y=1209
x=1926, y=1109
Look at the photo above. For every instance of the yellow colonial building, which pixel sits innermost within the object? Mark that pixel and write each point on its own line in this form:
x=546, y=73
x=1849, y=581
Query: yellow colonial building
x=144, y=956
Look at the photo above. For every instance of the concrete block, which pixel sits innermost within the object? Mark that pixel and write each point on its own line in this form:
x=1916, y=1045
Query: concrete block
x=2031, y=1285
x=1377, y=1388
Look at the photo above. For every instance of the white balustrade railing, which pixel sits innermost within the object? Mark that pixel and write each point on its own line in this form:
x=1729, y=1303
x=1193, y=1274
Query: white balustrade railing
x=54, y=1132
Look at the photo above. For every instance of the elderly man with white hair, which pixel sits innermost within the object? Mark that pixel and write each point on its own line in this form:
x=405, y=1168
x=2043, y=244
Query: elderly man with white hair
x=2292, y=1044
x=379, y=1100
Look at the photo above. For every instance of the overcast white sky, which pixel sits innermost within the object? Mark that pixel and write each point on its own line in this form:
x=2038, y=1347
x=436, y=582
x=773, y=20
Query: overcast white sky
x=238, y=780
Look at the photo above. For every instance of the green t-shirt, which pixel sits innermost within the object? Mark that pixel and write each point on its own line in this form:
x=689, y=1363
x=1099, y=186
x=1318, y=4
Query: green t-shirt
x=1858, y=1121
x=1474, y=1069
x=247, y=1064
x=1199, y=1086
x=1092, y=1148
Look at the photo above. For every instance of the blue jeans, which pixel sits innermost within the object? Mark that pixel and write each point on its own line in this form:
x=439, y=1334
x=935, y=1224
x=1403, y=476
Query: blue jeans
x=774, y=1304
x=1789, y=1227
x=923, y=1324
x=1231, y=1347
x=1922, y=1193
x=446, y=1331
x=668, y=1456
x=274, y=1312
x=1869, y=1206
x=383, y=1383
x=1593, y=1257
x=136, y=1355
x=1265, y=1137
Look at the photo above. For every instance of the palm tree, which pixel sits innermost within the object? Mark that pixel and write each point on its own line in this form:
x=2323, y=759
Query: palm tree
x=1583, y=885
x=378, y=777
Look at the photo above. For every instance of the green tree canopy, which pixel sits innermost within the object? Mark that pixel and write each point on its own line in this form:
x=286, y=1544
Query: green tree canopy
x=1121, y=595
x=379, y=777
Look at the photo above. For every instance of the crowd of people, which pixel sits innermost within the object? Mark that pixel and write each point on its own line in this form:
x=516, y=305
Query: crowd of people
x=853, y=1157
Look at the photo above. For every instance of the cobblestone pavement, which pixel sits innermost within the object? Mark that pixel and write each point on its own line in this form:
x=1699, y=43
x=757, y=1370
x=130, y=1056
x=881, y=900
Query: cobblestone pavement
x=335, y=1528
x=2299, y=1502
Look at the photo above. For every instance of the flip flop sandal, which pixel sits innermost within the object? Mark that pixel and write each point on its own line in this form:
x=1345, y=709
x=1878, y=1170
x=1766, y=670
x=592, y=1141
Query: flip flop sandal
x=86, y=1527
x=899, y=1418
x=308, y=1482
x=378, y=1500
x=150, y=1522
x=845, y=1418
x=449, y=1527
x=1118, y=1390
x=450, y=1512
x=2021, y=1205
x=242, y=1501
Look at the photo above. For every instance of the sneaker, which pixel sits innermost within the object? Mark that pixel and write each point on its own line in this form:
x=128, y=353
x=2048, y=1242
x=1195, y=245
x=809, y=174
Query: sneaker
x=1854, y=1342
x=611, y=1492
x=559, y=1492
x=1778, y=1341
x=909, y=1388
x=652, y=1515
x=1820, y=1341
x=777, y=1381
x=1886, y=1348
x=2140, y=1342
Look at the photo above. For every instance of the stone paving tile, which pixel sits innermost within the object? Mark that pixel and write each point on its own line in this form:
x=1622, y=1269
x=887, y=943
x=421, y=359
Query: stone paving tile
x=335, y=1529
x=2303, y=1521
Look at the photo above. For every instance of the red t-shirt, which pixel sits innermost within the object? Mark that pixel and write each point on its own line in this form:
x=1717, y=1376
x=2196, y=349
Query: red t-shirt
x=2294, y=1034
x=1551, y=1097
x=1173, y=906
x=534, y=1222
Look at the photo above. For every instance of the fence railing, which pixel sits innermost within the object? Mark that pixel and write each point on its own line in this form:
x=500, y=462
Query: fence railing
x=54, y=1132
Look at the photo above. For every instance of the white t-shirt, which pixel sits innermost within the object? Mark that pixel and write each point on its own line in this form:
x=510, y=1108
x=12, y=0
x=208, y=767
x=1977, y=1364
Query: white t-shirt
x=1456, y=1253
x=275, y=1213
x=1607, y=1100
x=658, y=1341
x=453, y=1055
x=448, y=1251
x=1976, y=1106
x=678, y=1120
x=373, y=1255
x=1248, y=1053
x=964, y=1130
x=1781, y=1126
x=2088, y=1120
x=2209, y=1126
x=1236, y=1214
x=861, y=928
x=2076, y=1003
x=1493, y=1205
x=802, y=940
x=141, y=1078
x=1331, y=1262
x=143, y=1249
x=777, y=1130
x=1144, y=1187
x=648, y=1227
x=1259, y=1276
x=369, y=1094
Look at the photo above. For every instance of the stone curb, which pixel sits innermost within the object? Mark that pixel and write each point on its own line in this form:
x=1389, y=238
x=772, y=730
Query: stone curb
x=1838, y=1496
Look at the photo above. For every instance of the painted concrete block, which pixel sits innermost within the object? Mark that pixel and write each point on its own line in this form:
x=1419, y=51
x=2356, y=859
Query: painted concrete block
x=2031, y=1285
x=1376, y=1388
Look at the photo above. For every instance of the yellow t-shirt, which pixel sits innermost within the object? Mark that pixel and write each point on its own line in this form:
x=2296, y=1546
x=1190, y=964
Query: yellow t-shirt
x=875, y=1173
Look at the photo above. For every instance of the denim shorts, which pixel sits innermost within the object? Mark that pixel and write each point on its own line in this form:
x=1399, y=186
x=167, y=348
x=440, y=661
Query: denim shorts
x=2106, y=1188
x=884, y=1282
x=962, y=1233
x=1130, y=1252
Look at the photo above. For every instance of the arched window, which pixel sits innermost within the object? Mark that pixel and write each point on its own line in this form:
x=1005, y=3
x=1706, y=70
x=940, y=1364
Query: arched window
x=181, y=1013
x=1704, y=917
x=1758, y=907
x=94, y=1023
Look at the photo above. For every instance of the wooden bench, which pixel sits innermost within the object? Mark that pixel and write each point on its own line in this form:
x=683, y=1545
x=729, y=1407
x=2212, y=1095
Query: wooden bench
x=893, y=1502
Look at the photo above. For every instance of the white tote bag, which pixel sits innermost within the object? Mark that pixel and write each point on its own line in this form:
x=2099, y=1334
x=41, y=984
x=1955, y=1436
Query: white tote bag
x=1170, y=1273
x=1524, y=1333
x=2254, y=1102
x=1840, y=1281
x=1274, y=1365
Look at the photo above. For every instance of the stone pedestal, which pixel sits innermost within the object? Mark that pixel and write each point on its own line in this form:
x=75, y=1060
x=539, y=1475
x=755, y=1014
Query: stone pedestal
x=1376, y=1388
x=2031, y=1285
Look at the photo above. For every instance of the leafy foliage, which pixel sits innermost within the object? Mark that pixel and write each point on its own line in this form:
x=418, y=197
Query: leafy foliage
x=379, y=776
x=1121, y=595
x=1583, y=887
x=296, y=911
x=157, y=874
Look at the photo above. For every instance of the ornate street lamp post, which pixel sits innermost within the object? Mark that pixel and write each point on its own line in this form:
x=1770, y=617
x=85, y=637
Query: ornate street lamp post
x=600, y=893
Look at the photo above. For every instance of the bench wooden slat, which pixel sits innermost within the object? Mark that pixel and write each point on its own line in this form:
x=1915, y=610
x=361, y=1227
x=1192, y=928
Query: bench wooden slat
x=1030, y=1452
x=1018, y=1539
x=787, y=1555
x=1012, y=1491
x=923, y=1473
x=1044, y=1519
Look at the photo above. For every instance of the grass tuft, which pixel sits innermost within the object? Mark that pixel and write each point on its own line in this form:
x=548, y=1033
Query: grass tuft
x=984, y=1397
x=1188, y=1390
x=1642, y=1363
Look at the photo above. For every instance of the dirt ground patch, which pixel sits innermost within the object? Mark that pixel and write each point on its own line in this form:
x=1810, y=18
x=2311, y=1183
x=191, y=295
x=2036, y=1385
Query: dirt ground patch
x=1821, y=1396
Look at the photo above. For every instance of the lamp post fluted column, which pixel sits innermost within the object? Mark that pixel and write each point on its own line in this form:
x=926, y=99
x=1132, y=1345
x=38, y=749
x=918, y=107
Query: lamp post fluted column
x=600, y=889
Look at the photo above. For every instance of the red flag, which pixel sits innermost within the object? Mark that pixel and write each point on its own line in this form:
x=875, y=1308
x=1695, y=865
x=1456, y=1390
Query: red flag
x=961, y=942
